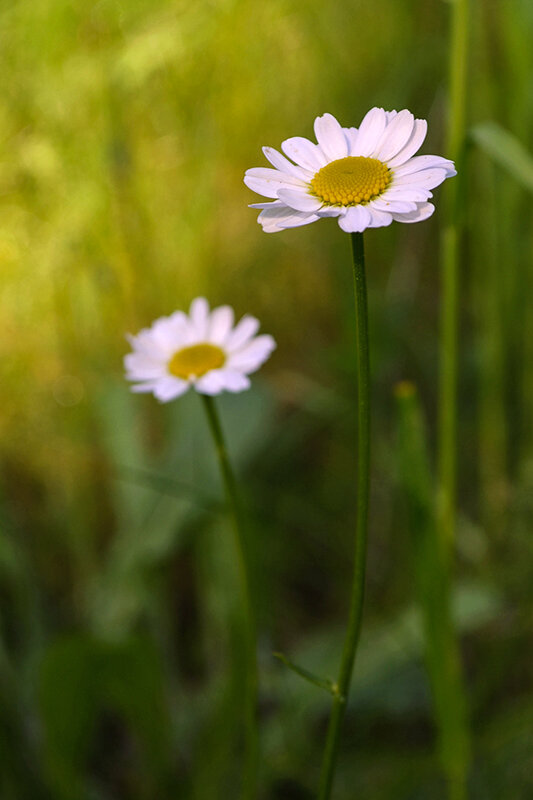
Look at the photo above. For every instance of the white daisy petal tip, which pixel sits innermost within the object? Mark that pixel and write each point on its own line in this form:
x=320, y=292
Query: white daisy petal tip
x=203, y=350
x=331, y=137
x=366, y=176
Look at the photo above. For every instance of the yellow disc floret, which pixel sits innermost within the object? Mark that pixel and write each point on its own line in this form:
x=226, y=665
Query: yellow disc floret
x=351, y=181
x=195, y=360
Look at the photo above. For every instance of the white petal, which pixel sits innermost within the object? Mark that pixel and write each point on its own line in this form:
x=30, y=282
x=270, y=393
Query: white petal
x=390, y=115
x=234, y=381
x=141, y=367
x=356, y=219
x=304, y=153
x=301, y=201
x=284, y=165
x=393, y=206
x=220, y=380
x=419, y=163
x=396, y=135
x=143, y=388
x=199, y=317
x=220, y=324
x=330, y=137
x=423, y=211
x=170, y=388
x=408, y=194
x=169, y=333
x=244, y=330
x=250, y=357
x=415, y=142
x=331, y=211
x=370, y=132
x=351, y=138
x=179, y=321
x=211, y=383
x=297, y=219
x=277, y=203
x=199, y=309
x=379, y=219
x=277, y=218
x=138, y=338
x=425, y=179
x=145, y=343
x=267, y=181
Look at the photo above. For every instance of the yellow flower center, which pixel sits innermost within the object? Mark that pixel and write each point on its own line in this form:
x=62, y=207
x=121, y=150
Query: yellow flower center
x=350, y=181
x=196, y=360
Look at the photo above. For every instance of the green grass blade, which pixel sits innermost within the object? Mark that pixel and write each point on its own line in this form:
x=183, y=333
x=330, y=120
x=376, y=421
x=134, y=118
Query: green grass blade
x=506, y=150
x=431, y=564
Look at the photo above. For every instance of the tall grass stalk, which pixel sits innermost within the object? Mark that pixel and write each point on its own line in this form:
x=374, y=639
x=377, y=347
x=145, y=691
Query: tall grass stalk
x=342, y=687
x=433, y=586
x=455, y=146
x=506, y=330
x=250, y=689
x=443, y=653
x=493, y=423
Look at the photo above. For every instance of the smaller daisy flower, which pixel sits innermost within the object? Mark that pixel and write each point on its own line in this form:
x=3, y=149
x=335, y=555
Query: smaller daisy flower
x=367, y=177
x=202, y=349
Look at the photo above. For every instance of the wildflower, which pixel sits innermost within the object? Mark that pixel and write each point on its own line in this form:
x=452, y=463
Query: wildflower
x=202, y=349
x=365, y=177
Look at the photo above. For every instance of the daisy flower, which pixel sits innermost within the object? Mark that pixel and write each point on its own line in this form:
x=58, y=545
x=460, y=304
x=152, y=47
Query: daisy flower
x=366, y=176
x=203, y=349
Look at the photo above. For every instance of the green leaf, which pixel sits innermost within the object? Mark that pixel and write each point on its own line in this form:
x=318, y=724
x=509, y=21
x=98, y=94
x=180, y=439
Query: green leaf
x=506, y=151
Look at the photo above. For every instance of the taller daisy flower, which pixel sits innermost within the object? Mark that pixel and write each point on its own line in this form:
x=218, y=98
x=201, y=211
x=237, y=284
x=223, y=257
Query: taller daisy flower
x=367, y=177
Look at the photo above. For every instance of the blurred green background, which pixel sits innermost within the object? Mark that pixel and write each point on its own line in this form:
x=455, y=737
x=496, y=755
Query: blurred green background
x=126, y=128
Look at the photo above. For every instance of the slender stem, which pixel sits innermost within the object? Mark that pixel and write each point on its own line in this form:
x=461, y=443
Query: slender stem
x=447, y=434
x=363, y=482
x=249, y=785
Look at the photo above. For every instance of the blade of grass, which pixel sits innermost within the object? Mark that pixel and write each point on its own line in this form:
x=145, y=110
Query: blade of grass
x=507, y=153
x=506, y=150
x=431, y=564
x=454, y=196
x=491, y=341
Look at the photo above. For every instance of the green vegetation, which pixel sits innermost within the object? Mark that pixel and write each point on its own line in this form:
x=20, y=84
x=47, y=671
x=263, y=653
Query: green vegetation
x=126, y=128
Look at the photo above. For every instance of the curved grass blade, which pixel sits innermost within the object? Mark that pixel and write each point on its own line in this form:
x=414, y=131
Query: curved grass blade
x=505, y=150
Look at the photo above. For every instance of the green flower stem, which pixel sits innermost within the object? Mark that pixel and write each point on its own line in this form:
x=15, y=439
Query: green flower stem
x=342, y=687
x=447, y=434
x=249, y=785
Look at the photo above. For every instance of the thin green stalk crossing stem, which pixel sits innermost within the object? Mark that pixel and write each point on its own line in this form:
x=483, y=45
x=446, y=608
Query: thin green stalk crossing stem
x=342, y=687
x=447, y=434
x=249, y=784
